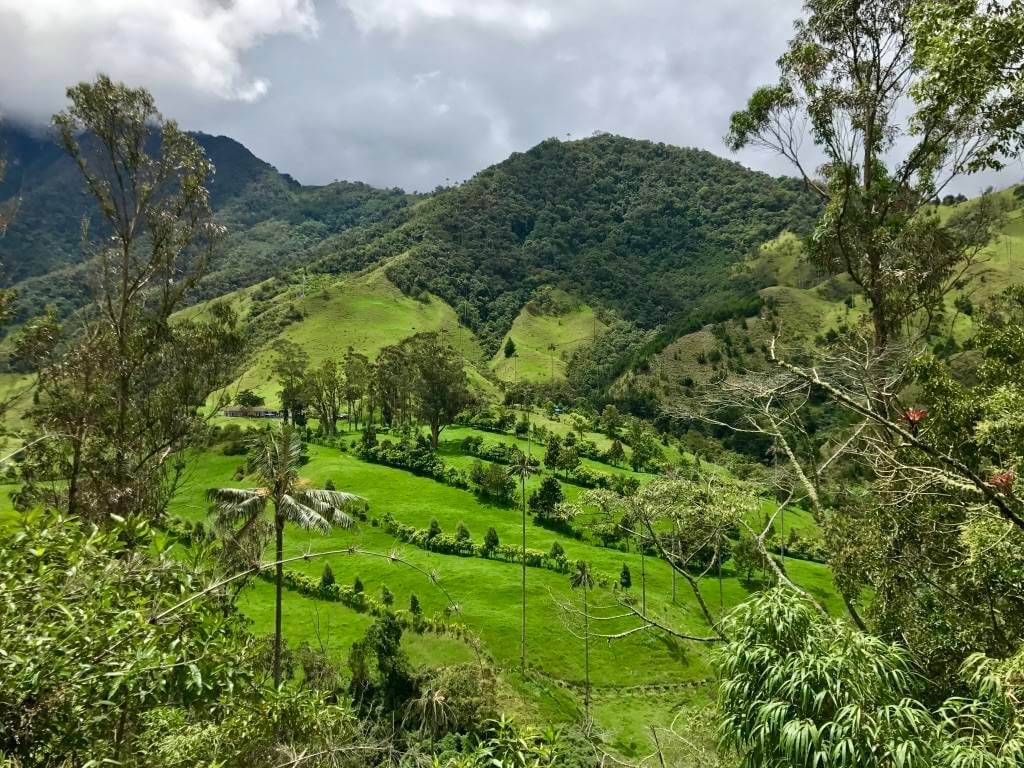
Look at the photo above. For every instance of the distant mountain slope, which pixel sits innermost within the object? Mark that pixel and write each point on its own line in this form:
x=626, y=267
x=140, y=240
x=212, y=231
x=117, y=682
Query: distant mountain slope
x=545, y=334
x=272, y=220
x=645, y=232
x=325, y=315
x=802, y=308
x=646, y=229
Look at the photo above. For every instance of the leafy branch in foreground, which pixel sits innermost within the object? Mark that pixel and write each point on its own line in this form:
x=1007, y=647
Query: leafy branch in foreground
x=86, y=675
x=865, y=81
x=799, y=689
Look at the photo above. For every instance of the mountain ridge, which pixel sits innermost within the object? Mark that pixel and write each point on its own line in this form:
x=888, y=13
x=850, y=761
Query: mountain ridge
x=271, y=218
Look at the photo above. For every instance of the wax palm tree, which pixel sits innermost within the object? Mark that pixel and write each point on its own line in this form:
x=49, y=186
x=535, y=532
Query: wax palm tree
x=277, y=455
x=521, y=468
x=583, y=579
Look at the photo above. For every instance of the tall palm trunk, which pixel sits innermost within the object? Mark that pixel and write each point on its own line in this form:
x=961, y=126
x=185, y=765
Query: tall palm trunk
x=279, y=530
x=675, y=555
x=721, y=591
x=522, y=651
x=586, y=654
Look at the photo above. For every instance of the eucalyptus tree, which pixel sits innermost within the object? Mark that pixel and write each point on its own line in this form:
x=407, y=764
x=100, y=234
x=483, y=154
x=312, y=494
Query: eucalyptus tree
x=125, y=399
x=356, y=368
x=521, y=468
x=392, y=382
x=901, y=99
x=440, y=386
x=325, y=392
x=290, y=365
x=243, y=511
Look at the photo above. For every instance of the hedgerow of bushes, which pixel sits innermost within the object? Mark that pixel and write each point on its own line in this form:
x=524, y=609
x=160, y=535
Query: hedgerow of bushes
x=360, y=602
x=414, y=456
x=448, y=544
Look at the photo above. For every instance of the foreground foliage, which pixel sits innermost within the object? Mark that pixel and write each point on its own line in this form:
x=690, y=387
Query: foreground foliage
x=804, y=690
x=82, y=646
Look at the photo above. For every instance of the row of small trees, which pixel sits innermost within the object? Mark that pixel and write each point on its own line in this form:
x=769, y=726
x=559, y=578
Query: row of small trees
x=387, y=597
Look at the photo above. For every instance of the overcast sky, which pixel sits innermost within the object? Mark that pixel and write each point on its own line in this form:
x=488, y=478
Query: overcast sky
x=409, y=93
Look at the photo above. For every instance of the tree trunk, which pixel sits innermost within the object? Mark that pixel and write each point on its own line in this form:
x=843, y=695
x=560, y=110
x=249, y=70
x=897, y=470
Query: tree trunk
x=522, y=658
x=76, y=469
x=643, y=578
x=675, y=554
x=782, y=536
x=435, y=431
x=279, y=525
x=721, y=593
x=586, y=654
x=852, y=610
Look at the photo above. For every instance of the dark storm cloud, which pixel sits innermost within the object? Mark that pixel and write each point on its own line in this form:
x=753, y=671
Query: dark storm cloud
x=411, y=93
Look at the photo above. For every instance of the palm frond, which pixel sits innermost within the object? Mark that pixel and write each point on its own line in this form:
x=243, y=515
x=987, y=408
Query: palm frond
x=232, y=495
x=330, y=504
x=234, y=504
x=302, y=515
x=582, y=577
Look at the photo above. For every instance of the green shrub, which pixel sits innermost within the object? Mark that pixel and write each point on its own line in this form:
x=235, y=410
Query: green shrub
x=327, y=577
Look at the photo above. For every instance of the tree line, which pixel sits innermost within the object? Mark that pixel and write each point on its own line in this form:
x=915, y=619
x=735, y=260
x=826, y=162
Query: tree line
x=422, y=380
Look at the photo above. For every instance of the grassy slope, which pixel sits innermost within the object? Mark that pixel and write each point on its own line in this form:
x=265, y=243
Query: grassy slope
x=365, y=312
x=15, y=400
x=808, y=305
x=488, y=594
x=533, y=334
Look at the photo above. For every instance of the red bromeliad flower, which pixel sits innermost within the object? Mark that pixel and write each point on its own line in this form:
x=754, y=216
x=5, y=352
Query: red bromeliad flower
x=1003, y=481
x=915, y=415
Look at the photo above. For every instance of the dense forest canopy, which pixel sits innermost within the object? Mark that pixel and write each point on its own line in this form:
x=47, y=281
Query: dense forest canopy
x=646, y=229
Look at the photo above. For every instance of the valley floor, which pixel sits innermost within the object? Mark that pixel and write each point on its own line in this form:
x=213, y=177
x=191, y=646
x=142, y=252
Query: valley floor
x=640, y=680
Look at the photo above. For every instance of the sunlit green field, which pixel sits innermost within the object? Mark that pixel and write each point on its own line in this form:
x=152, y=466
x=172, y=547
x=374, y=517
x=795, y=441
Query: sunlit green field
x=364, y=312
x=488, y=592
x=544, y=344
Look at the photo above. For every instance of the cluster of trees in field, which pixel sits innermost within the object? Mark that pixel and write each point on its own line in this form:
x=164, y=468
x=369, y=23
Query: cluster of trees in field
x=419, y=381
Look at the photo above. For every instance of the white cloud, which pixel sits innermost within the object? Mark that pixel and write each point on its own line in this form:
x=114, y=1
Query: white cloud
x=523, y=17
x=169, y=46
x=408, y=92
x=523, y=20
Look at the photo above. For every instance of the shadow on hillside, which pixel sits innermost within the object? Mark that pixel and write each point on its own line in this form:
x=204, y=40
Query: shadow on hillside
x=675, y=647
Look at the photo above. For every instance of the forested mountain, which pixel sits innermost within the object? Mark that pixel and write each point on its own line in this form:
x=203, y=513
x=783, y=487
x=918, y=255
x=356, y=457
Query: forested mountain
x=271, y=219
x=647, y=229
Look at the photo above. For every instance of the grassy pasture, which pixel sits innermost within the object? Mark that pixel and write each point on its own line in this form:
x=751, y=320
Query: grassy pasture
x=535, y=334
x=487, y=592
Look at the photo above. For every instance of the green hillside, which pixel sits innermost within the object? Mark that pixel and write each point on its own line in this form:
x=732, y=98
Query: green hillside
x=273, y=223
x=545, y=334
x=326, y=315
x=801, y=307
x=646, y=229
x=663, y=672
x=644, y=232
